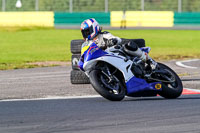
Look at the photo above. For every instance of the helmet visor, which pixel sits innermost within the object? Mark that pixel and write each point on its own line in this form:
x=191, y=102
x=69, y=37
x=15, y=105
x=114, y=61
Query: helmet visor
x=87, y=31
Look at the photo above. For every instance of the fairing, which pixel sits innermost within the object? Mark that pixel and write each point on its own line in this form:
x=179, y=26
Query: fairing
x=134, y=85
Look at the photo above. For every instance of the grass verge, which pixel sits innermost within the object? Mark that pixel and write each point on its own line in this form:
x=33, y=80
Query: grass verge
x=21, y=46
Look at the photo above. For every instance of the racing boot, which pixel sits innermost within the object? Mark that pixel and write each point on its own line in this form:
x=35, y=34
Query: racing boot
x=152, y=64
x=146, y=58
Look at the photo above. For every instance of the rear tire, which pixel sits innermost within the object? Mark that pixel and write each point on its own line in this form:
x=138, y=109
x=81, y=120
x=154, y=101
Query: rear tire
x=96, y=81
x=173, y=90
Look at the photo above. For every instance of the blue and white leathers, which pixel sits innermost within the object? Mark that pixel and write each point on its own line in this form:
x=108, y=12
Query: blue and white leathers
x=93, y=54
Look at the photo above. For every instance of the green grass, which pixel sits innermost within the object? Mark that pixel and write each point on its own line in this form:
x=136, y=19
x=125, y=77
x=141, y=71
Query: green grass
x=19, y=46
x=168, y=44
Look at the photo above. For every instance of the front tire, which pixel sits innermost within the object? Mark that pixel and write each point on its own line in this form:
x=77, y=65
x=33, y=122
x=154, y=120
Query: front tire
x=98, y=81
x=171, y=90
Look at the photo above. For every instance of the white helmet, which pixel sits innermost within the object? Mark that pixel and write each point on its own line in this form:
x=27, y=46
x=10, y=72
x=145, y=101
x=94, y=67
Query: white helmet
x=90, y=28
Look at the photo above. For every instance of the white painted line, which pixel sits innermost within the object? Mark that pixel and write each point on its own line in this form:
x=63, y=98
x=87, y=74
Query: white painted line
x=52, y=98
x=66, y=97
x=180, y=63
x=196, y=90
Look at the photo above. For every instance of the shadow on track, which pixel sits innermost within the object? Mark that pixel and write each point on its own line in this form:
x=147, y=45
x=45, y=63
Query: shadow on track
x=183, y=97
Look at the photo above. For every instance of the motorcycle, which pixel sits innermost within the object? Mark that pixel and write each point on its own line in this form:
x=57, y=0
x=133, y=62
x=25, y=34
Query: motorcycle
x=114, y=74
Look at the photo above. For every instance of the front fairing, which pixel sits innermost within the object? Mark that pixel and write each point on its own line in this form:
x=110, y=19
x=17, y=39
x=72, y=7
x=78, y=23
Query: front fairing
x=93, y=52
x=89, y=53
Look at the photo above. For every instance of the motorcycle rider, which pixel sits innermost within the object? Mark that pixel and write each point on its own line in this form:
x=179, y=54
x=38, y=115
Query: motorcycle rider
x=91, y=31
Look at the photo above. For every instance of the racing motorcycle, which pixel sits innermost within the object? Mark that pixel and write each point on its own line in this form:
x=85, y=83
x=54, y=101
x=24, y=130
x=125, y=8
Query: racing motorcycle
x=114, y=74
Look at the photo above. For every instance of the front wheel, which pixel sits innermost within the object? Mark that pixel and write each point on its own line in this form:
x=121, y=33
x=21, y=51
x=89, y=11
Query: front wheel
x=113, y=91
x=171, y=90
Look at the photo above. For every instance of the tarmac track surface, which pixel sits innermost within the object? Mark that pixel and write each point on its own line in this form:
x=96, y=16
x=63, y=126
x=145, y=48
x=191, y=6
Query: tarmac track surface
x=90, y=115
x=97, y=115
x=55, y=82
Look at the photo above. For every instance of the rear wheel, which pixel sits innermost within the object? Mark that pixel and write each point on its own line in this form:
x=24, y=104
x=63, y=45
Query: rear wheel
x=111, y=90
x=171, y=90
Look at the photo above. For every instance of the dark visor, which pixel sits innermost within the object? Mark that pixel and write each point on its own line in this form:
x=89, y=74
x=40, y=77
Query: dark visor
x=86, y=32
